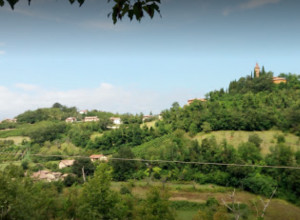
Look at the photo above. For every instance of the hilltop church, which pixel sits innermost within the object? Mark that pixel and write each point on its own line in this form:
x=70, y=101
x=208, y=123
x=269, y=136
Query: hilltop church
x=276, y=79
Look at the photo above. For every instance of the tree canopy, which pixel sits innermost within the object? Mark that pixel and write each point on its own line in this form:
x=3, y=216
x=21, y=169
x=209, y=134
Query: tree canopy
x=132, y=8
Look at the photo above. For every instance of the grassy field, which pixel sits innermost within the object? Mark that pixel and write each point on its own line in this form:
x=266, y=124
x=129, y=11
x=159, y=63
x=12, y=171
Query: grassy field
x=95, y=135
x=5, y=164
x=149, y=124
x=16, y=139
x=236, y=137
x=64, y=149
x=190, y=193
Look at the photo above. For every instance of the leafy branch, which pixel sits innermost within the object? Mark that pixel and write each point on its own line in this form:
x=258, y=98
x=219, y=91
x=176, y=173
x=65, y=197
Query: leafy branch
x=132, y=8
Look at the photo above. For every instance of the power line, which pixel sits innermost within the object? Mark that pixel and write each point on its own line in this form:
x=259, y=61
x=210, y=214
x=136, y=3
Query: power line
x=168, y=161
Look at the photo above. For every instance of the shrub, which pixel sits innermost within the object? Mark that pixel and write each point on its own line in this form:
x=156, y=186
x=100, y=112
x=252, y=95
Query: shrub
x=206, y=127
x=255, y=139
x=260, y=184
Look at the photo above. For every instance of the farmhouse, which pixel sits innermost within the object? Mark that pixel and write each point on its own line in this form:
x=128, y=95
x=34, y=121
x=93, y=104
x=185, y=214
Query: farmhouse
x=91, y=119
x=98, y=157
x=71, y=120
x=47, y=175
x=65, y=163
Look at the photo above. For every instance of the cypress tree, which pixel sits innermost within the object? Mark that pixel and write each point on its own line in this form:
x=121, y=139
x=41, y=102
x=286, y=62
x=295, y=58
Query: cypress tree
x=263, y=72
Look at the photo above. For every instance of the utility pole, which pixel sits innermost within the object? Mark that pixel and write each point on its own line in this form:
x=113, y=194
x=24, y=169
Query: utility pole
x=83, y=174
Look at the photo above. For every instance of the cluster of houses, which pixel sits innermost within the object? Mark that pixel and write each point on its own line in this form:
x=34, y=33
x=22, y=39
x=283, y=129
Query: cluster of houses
x=50, y=176
x=115, y=120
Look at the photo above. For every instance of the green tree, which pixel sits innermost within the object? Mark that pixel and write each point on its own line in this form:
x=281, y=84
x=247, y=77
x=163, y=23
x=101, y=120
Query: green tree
x=98, y=201
x=206, y=127
x=156, y=206
x=45, y=131
x=249, y=152
x=83, y=163
x=255, y=139
x=124, y=169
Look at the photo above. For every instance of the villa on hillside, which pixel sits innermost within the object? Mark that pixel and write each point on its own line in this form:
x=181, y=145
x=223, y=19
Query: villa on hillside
x=278, y=80
x=83, y=112
x=71, y=120
x=190, y=101
x=91, y=119
x=116, y=120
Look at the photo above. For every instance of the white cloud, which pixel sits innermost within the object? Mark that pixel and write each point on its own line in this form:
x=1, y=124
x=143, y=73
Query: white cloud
x=26, y=87
x=2, y=52
x=105, y=97
x=248, y=5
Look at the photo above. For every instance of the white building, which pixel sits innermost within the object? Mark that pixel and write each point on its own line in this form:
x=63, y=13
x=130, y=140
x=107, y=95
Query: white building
x=116, y=121
x=91, y=119
x=71, y=120
x=83, y=112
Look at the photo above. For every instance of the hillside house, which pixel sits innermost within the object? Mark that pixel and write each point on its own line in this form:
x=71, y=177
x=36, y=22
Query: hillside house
x=91, y=119
x=190, y=101
x=147, y=117
x=47, y=175
x=116, y=120
x=277, y=80
x=98, y=157
x=83, y=112
x=9, y=120
x=65, y=163
x=71, y=120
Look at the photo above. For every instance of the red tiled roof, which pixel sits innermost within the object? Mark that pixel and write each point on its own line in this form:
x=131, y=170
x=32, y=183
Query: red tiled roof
x=96, y=156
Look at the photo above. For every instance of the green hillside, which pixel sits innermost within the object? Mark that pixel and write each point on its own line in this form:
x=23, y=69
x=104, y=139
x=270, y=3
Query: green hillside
x=235, y=138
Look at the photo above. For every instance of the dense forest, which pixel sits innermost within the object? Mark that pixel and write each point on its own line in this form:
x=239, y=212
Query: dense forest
x=249, y=104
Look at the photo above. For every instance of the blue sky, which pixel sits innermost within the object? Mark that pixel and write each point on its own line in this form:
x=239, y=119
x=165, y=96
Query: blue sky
x=53, y=51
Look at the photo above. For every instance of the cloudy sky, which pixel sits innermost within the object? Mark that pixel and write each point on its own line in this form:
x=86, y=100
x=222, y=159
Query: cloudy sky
x=56, y=52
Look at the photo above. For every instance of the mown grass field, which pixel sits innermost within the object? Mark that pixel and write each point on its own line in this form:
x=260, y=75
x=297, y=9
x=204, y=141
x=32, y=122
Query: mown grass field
x=149, y=124
x=95, y=135
x=237, y=137
x=196, y=193
x=16, y=139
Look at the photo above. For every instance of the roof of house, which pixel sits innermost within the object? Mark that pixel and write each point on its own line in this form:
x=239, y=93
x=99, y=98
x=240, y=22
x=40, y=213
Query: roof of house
x=91, y=117
x=96, y=156
x=67, y=162
x=71, y=118
x=115, y=118
x=278, y=78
